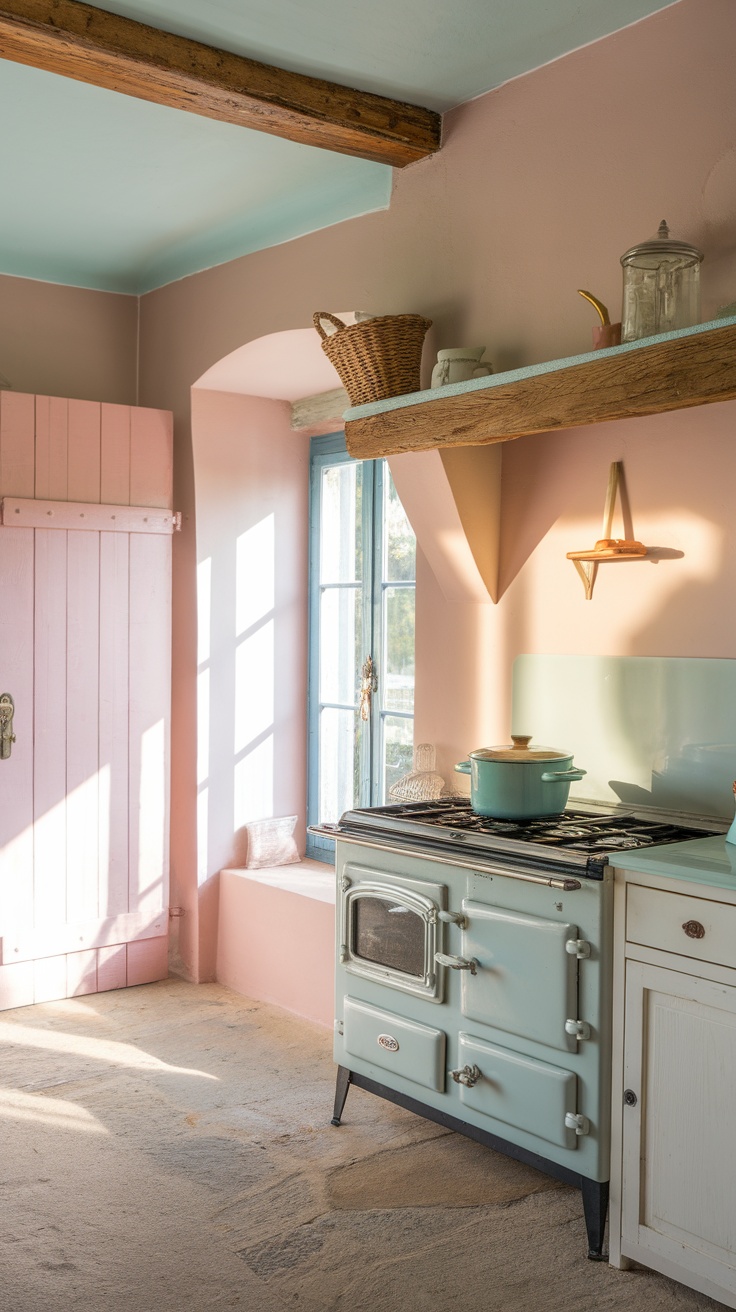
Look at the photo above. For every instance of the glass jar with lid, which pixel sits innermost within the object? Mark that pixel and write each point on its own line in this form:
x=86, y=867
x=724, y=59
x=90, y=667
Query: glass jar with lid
x=661, y=286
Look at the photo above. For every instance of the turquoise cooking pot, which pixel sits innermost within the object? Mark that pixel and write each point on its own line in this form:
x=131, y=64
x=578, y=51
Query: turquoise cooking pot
x=519, y=782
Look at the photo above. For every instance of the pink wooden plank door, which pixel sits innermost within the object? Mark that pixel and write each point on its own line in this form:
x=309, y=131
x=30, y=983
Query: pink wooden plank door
x=84, y=795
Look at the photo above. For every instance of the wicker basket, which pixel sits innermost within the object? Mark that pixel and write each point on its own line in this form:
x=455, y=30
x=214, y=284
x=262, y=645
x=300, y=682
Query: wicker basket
x=377, y=358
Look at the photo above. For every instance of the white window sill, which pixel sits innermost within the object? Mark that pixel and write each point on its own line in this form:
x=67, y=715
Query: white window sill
x=306, y=878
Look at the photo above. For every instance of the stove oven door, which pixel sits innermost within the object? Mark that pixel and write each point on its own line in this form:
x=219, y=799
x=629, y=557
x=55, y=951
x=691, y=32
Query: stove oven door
x=525, y=980
x=390, y=930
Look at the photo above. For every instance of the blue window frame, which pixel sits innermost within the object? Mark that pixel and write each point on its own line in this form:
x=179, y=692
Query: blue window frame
x=361, y=636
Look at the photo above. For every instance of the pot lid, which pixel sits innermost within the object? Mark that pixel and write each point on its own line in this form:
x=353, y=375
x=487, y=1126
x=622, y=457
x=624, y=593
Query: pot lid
x=519, y=751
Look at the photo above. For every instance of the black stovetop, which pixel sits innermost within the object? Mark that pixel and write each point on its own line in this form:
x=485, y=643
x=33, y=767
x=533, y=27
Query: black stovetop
x=576, y=839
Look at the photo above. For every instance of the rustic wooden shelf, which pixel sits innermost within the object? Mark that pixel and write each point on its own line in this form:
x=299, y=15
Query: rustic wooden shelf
x=694, y=366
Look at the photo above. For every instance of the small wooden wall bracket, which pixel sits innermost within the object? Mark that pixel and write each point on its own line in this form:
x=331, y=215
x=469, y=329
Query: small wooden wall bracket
x=587, y=562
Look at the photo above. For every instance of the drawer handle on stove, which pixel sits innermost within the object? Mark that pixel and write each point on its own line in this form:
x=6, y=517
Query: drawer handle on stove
x=577, y=947
x=694, y=929
x=453, y=918
x=468, y=1075
x=456, y=963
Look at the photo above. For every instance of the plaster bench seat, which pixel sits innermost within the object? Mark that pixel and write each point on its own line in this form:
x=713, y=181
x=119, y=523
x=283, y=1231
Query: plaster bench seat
x=276, y=937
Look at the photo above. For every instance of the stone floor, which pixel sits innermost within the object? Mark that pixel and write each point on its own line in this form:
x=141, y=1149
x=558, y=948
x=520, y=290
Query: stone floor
x=168, y=1149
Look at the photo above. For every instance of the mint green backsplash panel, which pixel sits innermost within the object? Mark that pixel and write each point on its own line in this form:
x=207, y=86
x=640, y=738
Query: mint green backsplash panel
x=650, y=731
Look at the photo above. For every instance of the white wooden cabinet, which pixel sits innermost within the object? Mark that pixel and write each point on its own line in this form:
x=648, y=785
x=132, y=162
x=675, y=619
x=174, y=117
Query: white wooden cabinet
x=673, y=1176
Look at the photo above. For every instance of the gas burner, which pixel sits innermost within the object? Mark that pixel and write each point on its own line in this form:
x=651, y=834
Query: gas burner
x=578, y=841
x=617, y=843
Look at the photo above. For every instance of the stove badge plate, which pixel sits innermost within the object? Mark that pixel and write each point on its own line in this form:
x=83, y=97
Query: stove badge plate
x=388, y=1042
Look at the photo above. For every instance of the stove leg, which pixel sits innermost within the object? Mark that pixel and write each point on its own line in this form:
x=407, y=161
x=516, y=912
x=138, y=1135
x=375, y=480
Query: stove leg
x=341, y=1093
x=595, y=1208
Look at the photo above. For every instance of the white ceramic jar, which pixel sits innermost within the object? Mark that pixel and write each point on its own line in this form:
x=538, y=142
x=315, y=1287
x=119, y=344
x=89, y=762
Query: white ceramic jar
x=459, y=364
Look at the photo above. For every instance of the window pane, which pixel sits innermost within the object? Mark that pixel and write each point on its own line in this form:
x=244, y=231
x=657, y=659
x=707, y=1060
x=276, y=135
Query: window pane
x=398, y=749
x=340, y=644
x=398, y=660
x=399, y=541
x=341, y=536
x=339, y=760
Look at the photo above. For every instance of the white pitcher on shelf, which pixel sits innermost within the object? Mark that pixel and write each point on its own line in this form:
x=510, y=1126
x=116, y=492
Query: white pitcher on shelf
x=459, y=364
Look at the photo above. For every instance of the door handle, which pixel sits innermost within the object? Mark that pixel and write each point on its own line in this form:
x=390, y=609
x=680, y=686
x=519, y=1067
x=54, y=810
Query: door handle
x=7, y=737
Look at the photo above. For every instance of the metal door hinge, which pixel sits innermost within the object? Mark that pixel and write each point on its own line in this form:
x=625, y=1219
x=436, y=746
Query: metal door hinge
x=175, y=911
x=577, y=1029
x=344, y=955
x=467, y=1075
x=577, y=947
x=345, y=883
x=453, y=918
x=574, y=1121
x=7, y=737
x=176, y=521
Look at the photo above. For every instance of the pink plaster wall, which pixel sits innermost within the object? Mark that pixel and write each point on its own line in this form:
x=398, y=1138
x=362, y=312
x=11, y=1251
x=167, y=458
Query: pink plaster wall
x=539, y=188
x=292, y=966
x=67, y=341
x=251, y=509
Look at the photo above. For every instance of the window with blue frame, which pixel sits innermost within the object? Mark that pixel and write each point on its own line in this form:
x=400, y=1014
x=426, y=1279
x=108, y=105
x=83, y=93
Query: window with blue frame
x=362, y=561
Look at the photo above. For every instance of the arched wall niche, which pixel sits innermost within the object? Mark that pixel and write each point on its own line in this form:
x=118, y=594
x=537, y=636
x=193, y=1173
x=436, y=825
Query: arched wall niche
x=251, y=488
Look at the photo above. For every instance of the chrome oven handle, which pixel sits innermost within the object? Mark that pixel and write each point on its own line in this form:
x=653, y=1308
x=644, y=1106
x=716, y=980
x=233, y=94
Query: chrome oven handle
x=456, y=963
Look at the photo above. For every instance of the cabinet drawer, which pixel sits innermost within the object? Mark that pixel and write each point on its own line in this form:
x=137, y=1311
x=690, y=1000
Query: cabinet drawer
x=656, y=919
x=404, y=1047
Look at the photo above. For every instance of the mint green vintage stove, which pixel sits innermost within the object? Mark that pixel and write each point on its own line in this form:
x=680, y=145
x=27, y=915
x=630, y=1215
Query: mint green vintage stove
x=473, y=979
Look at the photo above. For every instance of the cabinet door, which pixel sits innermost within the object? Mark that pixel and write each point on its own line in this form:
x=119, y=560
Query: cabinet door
x=679, y=1139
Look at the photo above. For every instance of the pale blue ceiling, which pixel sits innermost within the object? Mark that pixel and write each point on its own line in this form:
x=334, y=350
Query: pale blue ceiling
x=104, y=191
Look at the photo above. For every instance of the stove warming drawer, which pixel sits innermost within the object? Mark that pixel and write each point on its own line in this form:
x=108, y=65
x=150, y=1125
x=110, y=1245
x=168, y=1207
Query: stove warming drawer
x=399, y=1046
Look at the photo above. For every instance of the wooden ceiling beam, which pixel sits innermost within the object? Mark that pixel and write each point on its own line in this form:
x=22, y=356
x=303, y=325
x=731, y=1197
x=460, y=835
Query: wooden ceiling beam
x=91, y=45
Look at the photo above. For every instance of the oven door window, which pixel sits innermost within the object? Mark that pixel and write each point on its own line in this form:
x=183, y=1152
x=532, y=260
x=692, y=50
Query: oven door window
x=388, y=934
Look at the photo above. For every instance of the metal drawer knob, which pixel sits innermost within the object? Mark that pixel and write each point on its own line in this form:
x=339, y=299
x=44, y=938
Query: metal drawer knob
x=694, y=929
x=468, y=1075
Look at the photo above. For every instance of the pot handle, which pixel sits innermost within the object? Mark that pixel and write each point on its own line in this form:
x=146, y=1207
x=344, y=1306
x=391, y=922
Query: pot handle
x=463, y=767
x=561, y=776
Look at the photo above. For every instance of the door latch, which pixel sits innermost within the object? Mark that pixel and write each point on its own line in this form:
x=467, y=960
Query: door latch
x=456, y=963
x=7, y=737
x=468, y=1075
